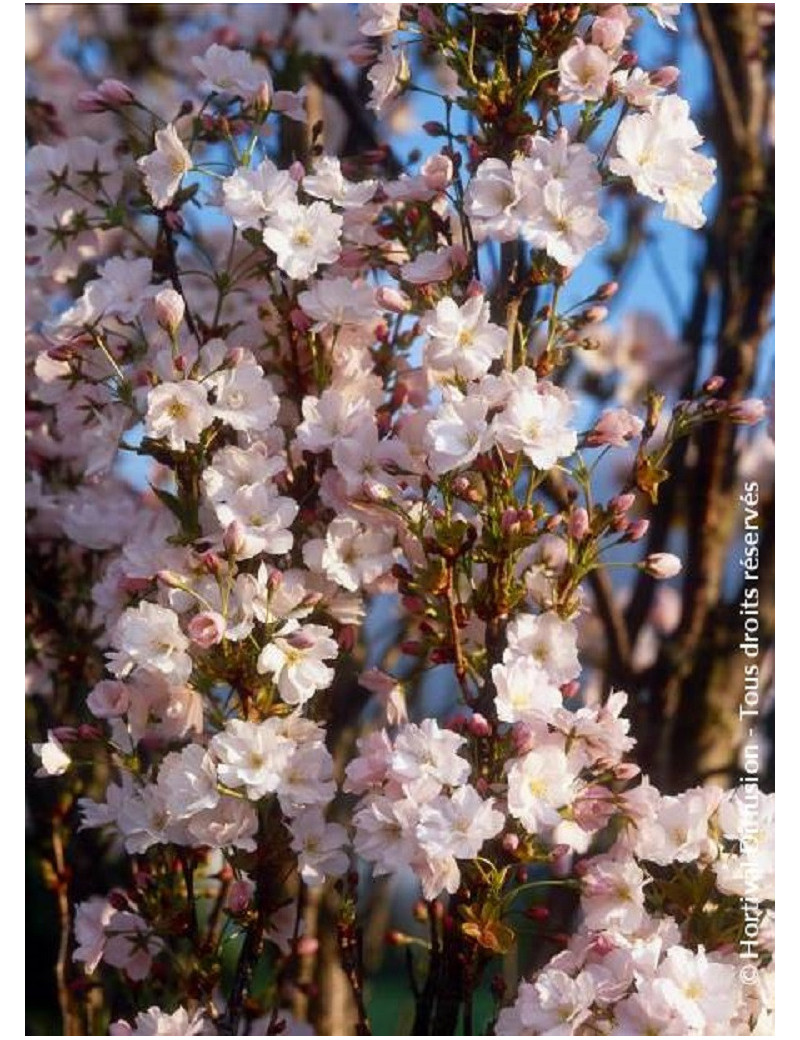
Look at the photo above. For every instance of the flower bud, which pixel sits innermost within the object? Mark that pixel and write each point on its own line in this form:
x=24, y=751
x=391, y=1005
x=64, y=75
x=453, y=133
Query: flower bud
x=665, y=76
x=234, y=538
x=662, y=565
x=90, y=101
x=622, y=503
x=748, y=412
x=607, y=290
x=637, y=529
x=714, y=384
x=393, y=300
x=170, y=309
x=263, y=96
x=115, y=93
x=594, y=315
x=479, y=726
x=437, y=172
x=206, y=629
x=240, y=896
x=578, y=524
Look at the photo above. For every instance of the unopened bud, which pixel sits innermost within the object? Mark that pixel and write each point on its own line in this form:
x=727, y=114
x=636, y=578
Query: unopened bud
x=578, y=524
x=747, y=412
x=665, y=76
x=714, y=384
x=607, y=290
x=622, y=503
x=234, y=357
x=594, y=315
x=637, y=529
x=207, y=629
x=479, y=726
x=240, y=895
x=263, y=96
x=300, y=320
x=393, y=300
x=115, y=93
x=90, y=101
x=170, y=309
x=662, y=565
x=234, y=538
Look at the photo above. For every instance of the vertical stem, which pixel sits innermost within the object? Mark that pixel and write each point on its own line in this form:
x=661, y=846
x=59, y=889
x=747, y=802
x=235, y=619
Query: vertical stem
x=62, y=961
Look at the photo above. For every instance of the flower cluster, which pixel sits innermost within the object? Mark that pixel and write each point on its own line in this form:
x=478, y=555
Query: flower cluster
x=330, y=406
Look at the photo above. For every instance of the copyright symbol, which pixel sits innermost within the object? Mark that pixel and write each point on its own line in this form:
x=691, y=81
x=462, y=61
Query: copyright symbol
x=748, y=975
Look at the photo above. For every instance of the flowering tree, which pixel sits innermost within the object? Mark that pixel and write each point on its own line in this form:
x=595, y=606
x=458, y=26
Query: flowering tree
x=290, y=395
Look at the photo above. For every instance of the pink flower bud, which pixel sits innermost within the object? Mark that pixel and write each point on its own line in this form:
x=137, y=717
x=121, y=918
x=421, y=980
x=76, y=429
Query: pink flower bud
x=523, y=738
x=207, y=629
x=608, y=33
x=607, y=290
x=615, y=427
x=65, y=734
x=570, y=689
x=427, y=19
x=437, y=172
x=115, y=93
x=300, y=320
x=297, y=171
x=626, y=770
x=170, y=309
x=263, y=95
x=622, y=503
x=234, y=357
x=234, y=538
x=662, y=565
x=714, y=384
x=174, y=220
x=603, y=944
x=594, y=315
x=240, y=895
x=637, y=529
x=578, y=526
x=748, y=412
x=509, y=521
x=346, y=637
x=90, y=101
x=108, y=700
x=393, y=300
x=665, y=76
x=479, y=726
